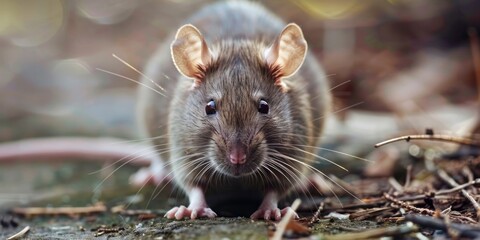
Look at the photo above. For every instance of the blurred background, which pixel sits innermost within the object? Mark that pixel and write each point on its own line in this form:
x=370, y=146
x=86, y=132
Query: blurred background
x=391, y=55
x=400, y=58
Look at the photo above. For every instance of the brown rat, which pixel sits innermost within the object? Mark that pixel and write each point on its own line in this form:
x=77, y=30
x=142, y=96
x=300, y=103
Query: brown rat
x=242, y=114
x=244, y=109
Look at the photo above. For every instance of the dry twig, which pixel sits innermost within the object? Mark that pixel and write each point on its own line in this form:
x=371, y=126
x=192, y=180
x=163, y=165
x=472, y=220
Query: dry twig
x=395, y=184
x=443, y=138
x=459, y=187
x=408, y=178
x=464, y=230
x=19, y=234
x=369, y=213
x=101, y=230
x=469, y=174
x=375, y=233
x=317, y=213
x=445, y=177
x=407, y=206
x=285, y=220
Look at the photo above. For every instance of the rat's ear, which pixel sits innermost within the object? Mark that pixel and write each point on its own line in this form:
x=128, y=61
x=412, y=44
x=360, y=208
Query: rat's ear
x=190, y=52
x=287, y=53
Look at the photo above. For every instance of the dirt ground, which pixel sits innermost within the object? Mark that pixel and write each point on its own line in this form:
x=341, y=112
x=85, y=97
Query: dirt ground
x=74, y=184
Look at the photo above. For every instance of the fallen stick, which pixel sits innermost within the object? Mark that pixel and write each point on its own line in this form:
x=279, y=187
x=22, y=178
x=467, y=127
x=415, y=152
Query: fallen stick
x=317, y=213
x=281, y=226
x=445, y=177
x=443, y=138
x=459, y=187
x=374, y=233
x=402, y=204
x=464, y=230
x=19, y=234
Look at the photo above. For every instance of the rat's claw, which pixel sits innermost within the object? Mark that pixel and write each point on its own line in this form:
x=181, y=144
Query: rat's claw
x=182, y=212
x=194, y=214
x=277, y=214
x=255, y=215
x=207, y=212
x=271, y=214
x=266, y=215
x=171, y=214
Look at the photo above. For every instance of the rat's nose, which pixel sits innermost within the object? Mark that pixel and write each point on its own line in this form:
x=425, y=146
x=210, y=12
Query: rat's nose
x=237, y=156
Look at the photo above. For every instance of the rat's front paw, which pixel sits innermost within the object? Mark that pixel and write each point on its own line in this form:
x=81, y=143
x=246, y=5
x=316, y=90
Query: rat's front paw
x=155, y=174
x=271, y=214
x=190, y=212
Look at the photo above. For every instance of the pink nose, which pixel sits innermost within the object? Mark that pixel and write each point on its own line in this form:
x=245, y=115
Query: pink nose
x=237, y=156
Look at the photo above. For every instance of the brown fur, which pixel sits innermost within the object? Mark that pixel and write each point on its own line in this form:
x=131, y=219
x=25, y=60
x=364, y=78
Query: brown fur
x=237, y=78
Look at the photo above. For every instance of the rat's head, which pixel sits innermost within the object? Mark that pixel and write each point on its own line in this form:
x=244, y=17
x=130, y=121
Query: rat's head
x=239, y=106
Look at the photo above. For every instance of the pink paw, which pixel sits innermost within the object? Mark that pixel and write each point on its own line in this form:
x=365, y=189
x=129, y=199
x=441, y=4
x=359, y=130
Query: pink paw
x=190, y=212
x=149, y=175
x=271, y=214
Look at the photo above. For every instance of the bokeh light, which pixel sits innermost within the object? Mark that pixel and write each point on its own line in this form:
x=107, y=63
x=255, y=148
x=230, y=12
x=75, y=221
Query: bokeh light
x=30, y=23
x=106, y=11
x=332, y=9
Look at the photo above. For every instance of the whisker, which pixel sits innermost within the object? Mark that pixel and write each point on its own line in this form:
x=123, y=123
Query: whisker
x=155, y=193
x=115, y=170
x=213, y=176
x=289, y=173
x=132, y=80
x=149, y=150
x=340, y=84
x=269, y=170
x=152, y=196
x=140, y=139
x=204, y=165
x=134, y=69
x=302, y=184
x=139, y=190
x=330, y=150
x=318, y=171
x=345, y=154
x=321, y=173
x=331, y=89
x=264, y=177
x=314, y=155
x=165, y=184
x=340, y=110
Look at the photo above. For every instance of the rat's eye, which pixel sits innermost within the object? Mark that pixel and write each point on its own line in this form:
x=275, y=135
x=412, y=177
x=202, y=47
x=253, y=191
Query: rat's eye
x=263, y=107
x=210, y=108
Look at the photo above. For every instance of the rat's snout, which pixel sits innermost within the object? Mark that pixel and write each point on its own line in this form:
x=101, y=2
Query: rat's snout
x=237, y=155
